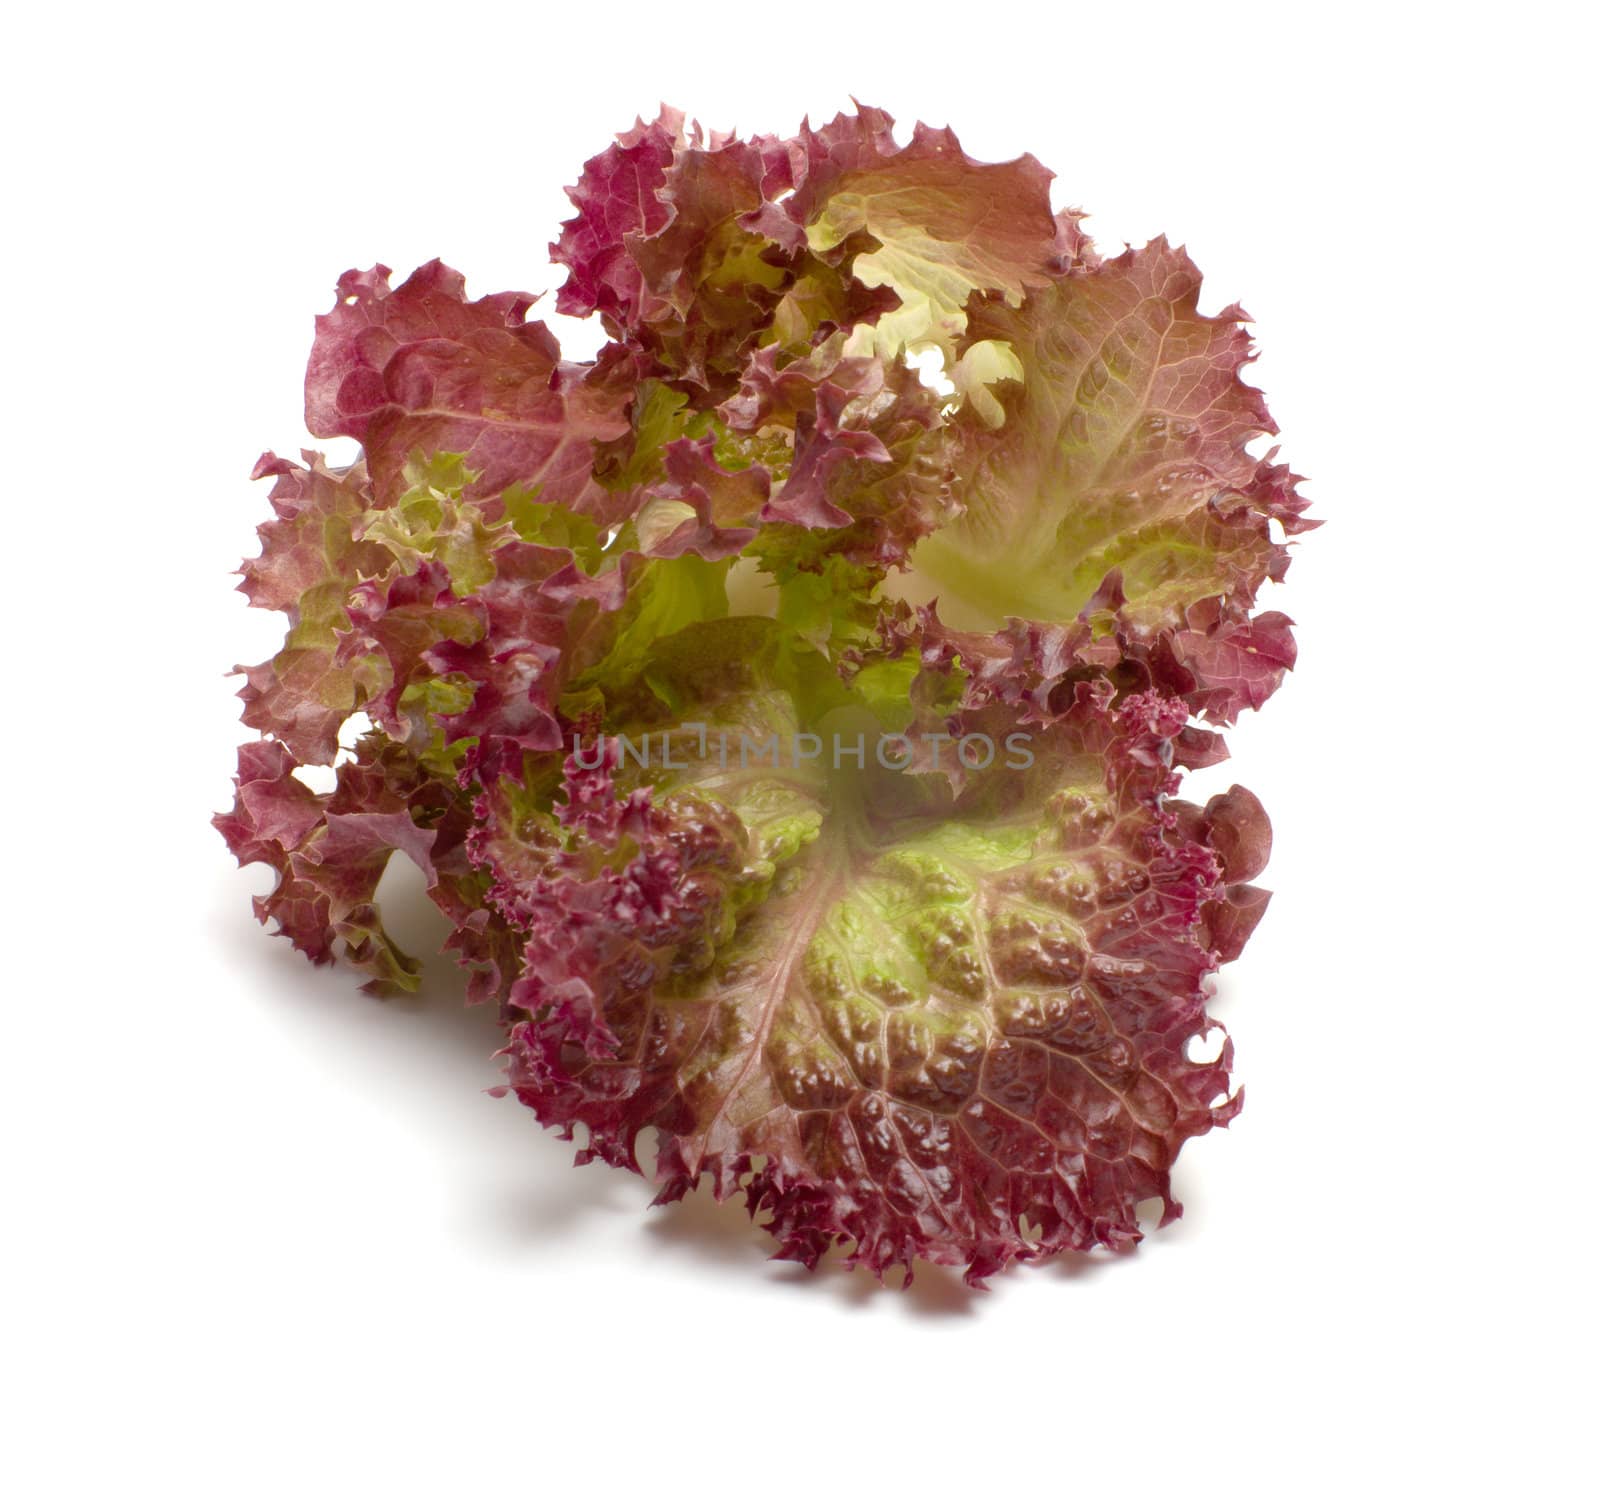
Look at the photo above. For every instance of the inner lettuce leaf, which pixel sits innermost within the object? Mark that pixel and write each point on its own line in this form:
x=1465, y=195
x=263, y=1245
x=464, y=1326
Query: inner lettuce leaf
x=791, y=730
x=946, y=227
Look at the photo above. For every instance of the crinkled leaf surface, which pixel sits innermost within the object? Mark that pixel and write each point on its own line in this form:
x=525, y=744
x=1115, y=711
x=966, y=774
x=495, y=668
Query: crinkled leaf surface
x=936, y=1020
x=310, y=563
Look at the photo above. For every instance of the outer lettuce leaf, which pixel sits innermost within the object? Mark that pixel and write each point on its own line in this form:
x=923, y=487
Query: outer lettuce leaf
x=1119, y=488
x=671, y=246
x=311, y=560
x=617, y=196
x=423, y=371
x=330, y=851
x=926, y=1025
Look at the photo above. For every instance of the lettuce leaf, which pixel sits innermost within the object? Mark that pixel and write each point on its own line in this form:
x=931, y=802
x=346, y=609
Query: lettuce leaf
x=311, y=561
x=1117, y=486
x=946, y=227
x=925, y=1024
x=422, y=370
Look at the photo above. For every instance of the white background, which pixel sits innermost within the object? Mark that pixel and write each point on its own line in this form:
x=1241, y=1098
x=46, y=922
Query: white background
x=263, y=1232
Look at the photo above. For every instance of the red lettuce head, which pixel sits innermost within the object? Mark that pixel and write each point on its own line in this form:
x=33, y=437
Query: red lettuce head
x=788, y=706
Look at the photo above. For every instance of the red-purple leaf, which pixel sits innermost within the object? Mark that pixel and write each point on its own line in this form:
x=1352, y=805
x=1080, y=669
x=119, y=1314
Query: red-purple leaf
x=925, y=1037
x=422, y=370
